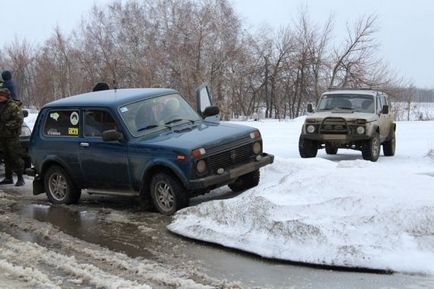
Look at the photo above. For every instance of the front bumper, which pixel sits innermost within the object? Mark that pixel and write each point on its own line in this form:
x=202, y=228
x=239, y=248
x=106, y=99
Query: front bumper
x=230, y=175
x=335, y=138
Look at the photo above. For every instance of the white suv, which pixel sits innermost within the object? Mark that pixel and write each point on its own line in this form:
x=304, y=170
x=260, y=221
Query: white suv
x=358, y=119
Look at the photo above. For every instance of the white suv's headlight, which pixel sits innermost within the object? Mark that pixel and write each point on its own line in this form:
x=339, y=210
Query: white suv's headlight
x=310, y=128
x=360, y=130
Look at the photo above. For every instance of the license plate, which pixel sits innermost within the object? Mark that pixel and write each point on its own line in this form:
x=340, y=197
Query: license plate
x=334, y=136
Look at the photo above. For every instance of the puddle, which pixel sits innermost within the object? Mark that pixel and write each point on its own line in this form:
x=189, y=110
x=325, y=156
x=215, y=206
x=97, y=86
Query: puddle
x=87, y=226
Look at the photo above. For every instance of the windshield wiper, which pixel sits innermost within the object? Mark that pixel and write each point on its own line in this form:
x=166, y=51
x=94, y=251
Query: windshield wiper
x=178, y=120
x=344, y=107
x=148, y=127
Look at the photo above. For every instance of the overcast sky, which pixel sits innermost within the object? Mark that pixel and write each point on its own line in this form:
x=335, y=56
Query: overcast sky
x=406, y=27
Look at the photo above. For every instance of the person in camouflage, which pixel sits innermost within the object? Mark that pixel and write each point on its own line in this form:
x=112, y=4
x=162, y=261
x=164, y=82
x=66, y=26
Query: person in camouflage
x=11, y=120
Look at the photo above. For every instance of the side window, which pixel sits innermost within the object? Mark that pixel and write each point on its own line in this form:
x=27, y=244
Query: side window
x=379, y=104
x=97, y=121
x=62, y=123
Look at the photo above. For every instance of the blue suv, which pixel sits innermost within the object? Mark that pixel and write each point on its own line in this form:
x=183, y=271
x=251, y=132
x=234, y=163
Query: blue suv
x=146, y=142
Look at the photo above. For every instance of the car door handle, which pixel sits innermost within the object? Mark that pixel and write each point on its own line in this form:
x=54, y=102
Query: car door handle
x=84, y=144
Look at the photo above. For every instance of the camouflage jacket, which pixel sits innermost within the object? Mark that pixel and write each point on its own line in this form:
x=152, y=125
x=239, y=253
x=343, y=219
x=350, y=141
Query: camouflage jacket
x=11, y=119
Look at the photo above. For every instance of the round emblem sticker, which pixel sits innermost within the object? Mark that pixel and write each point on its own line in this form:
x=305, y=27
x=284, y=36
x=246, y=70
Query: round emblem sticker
x=74, y=118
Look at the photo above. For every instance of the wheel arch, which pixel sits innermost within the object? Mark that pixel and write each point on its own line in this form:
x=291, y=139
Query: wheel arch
x=57, y=162
x=159, y=167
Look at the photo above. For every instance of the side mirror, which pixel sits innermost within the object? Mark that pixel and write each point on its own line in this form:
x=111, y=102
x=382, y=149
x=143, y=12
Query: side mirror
x=309, y=108
x=385, y=109
x=25, y=112
x=210, y=111
x=111, y=135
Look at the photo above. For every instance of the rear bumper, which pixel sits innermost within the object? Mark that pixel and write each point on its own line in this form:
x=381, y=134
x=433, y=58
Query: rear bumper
x=230, y=175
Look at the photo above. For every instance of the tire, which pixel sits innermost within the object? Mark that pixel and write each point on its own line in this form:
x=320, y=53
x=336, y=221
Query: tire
x=389, y=146
x=371, y=149
x=245, y=182
x=331, y=150
x=307, y=148
x=59, y=187
x=167, y=194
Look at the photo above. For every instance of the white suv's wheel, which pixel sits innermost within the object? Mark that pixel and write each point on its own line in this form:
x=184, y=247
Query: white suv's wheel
x=371, y=149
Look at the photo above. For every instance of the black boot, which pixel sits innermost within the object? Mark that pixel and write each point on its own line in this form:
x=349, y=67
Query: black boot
x=20, y=182
x=7, y=181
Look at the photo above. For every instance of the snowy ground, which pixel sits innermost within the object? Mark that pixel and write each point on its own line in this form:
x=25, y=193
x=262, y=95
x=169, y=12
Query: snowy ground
x=332, y=210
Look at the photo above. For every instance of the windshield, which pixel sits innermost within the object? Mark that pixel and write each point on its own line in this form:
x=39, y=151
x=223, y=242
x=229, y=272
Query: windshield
x=354, y=102
x=158, y=113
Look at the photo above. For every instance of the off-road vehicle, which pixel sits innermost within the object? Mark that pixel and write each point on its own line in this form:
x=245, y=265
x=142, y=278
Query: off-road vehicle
x=147, y=142
x=358, y=119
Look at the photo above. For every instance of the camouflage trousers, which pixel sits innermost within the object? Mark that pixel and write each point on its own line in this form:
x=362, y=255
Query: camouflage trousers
x=13, y=156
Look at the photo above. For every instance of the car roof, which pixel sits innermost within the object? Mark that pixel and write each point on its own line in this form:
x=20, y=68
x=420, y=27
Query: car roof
x=354, y=91
x=109, y=98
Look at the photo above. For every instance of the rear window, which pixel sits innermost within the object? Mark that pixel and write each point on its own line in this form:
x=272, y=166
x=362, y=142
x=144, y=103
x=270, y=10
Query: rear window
x=62, y=123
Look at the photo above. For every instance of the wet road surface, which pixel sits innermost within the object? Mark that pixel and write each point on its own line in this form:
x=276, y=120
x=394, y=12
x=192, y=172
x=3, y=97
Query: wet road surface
x=121, y=224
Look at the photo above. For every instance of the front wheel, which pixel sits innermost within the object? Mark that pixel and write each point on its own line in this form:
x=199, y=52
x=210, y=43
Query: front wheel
x=245, y=182
x=167, y=193
x=371, y=149
x=307, y=148
x=59, y=187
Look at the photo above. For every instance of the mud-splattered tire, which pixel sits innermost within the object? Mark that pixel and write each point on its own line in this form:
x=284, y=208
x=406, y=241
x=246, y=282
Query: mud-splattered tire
x=331, y=150
x=307, y=148
x=371, y=149
x=245, y=182
x=167, y=193
x=59, y=187
x=389, y=146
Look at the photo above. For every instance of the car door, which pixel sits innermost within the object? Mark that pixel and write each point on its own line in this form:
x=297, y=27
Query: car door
x=104, y=163
x=382, y=118
x=387, y=117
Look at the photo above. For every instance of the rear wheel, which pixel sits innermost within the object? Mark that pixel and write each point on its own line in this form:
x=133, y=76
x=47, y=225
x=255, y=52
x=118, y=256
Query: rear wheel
x=331, y=150
x=389, y=146
x=167, y=193
x=307, y=148
x=59, y=187
x=371, y=149
x=245, y=182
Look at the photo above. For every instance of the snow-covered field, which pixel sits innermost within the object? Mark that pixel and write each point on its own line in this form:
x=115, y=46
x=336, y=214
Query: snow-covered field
x=333, y=210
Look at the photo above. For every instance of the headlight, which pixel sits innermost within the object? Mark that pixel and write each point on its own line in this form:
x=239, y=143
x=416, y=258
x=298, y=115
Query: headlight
x=310, y=128
x=201, y=166
x=25, y=131
x=360, y=130
x=257, y=148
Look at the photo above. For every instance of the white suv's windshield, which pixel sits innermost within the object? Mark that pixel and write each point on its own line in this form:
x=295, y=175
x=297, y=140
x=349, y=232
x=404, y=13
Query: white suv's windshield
x=354, y=102
x=158, y=113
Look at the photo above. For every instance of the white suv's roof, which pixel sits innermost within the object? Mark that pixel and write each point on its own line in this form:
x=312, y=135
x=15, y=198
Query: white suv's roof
x=352, y=91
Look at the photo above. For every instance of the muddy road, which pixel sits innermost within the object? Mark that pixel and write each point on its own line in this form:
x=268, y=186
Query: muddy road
x=108, y=241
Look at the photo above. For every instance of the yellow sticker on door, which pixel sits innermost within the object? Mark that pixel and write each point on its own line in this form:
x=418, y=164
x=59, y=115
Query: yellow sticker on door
x=73, y=130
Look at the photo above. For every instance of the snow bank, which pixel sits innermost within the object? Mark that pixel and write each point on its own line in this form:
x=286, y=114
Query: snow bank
x=341, y=211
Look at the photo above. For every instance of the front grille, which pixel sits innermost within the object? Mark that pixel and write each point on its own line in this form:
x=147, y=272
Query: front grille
x=334, y=125
x=231, y=157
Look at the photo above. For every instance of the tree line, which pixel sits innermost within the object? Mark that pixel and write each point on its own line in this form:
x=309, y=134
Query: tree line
x=181, y=43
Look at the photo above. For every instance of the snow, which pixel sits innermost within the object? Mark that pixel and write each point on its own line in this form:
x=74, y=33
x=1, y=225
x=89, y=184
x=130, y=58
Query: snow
x=330, y=210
